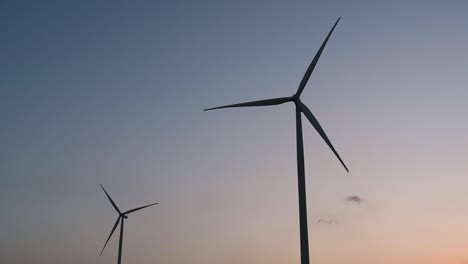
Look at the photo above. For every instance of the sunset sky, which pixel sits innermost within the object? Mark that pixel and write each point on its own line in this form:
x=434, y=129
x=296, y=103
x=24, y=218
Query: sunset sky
x=112, y=92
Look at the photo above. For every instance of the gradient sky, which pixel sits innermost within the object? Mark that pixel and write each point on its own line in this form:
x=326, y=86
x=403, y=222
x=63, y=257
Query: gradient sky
x=112, y=92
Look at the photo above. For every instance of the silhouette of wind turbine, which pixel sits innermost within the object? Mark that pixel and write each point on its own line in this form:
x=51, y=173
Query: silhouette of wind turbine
x=300, y=108
x=122, y=216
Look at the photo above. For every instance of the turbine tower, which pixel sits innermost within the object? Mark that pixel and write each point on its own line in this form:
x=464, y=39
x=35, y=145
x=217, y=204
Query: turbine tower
x=121, y=218
x=300, y=108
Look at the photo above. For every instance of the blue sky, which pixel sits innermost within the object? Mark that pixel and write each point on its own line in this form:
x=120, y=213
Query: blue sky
x=113, y=92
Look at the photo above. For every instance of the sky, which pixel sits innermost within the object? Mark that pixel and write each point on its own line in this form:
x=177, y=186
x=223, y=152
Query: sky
x=112, y=93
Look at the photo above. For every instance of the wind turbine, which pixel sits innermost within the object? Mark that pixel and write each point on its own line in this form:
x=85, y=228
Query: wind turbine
x=300, y=108
x=122, y=216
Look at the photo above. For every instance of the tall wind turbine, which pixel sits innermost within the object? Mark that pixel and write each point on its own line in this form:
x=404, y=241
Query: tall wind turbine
x=300, y=108
x=122, y=216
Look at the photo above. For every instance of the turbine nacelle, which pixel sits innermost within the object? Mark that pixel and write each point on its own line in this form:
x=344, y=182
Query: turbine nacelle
x=124, y=216
x=296, y=100
x=295, y=97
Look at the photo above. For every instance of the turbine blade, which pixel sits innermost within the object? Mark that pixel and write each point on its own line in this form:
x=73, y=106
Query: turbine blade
x=110, y=199
x=112, y=232
x=311, y=67
x=138, y=208
x=319, y=129
x=274, y=101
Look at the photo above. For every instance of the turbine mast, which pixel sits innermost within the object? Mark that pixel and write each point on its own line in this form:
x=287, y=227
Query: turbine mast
x=304, y=233
x=119, y=260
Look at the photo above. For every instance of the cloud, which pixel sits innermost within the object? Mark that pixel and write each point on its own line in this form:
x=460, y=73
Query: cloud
x=354, y=199
x=327, y=221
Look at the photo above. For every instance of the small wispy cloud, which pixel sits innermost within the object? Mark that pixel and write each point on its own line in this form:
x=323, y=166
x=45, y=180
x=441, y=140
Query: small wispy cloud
x=354, y=199
x=327, y=221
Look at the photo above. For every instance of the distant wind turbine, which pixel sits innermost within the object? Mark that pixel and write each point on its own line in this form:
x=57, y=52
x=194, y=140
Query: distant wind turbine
x=121, y=218
x=300, y=108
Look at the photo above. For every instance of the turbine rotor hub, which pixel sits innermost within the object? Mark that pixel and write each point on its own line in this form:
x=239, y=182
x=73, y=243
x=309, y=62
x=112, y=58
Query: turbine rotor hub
x=296, y=99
